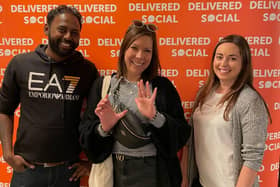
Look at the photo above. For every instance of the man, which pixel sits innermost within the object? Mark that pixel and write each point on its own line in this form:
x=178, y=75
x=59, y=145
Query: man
x=50, y=85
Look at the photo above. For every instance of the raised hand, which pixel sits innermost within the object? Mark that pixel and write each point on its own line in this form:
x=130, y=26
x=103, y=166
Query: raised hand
x=108, y=117
x=145, y=101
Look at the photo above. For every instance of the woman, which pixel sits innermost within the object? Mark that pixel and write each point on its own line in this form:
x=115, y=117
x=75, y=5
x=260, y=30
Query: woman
x=136, y=91
x=229, y=121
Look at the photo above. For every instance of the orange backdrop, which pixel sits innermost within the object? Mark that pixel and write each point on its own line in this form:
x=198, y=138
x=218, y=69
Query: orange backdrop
x=188, y=32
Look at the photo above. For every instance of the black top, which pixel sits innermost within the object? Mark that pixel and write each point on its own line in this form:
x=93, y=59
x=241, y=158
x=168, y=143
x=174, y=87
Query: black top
x=50, y=95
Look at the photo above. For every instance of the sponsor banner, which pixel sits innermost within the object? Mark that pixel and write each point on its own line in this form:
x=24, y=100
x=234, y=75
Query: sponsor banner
x=187, y=34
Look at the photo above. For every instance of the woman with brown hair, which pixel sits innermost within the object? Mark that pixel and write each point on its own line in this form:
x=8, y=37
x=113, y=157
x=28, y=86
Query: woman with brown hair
x=145, y=154
x=229, y=121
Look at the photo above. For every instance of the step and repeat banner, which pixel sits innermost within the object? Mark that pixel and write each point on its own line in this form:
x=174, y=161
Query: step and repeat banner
x=188, y=32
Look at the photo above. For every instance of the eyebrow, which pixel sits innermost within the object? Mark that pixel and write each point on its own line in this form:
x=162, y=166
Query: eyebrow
x=64, y=26
x=137, y=45
x=229, y=55
x=233, y=55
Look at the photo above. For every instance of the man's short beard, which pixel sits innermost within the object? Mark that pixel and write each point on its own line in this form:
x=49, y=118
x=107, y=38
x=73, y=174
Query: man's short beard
x=54, y=45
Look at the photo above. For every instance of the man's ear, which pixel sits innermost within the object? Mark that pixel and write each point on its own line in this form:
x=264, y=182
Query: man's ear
x=46, y=29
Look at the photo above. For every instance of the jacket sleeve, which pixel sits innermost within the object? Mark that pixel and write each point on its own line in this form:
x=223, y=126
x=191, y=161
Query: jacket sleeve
x=254, y=121
x=173, y=135
x=96, y=147
x=9, y=91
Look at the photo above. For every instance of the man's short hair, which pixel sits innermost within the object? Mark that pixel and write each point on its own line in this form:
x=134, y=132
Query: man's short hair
x=62, y=9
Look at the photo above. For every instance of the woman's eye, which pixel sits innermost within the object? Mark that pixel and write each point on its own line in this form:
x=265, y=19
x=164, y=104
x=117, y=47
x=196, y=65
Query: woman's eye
x=219, y=57
x=148, y=50
x=133, y=47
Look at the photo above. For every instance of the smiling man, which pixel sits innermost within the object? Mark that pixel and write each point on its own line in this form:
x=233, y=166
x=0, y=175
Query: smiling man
x=50, y=84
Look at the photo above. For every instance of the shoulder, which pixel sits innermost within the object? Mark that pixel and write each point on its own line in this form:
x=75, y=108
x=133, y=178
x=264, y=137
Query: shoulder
x=86, y=61
x=24, y=56
x=247, y=95
x=249, y=98
x=90, y=64
x=165, y=88
x=90, y=68
x=21, y=60
x=160, y=81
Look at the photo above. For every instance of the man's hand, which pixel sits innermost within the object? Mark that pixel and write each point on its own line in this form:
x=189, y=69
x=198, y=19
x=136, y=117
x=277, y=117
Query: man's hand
x=18, y=163
x=82, y=168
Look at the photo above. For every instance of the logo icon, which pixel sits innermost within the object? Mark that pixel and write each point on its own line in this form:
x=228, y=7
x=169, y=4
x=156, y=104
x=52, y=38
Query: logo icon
x=73, y=83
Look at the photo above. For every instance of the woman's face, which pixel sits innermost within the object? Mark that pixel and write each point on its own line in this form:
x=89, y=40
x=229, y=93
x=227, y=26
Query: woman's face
x=227, y=63
x=138, y=57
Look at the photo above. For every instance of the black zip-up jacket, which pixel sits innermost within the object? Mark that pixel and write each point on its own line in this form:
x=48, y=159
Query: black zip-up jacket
x=50, y=95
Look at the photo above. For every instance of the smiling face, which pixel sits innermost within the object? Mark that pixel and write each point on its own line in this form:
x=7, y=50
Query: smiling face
x=138, y=57
x=227, y=63
x=63, y=36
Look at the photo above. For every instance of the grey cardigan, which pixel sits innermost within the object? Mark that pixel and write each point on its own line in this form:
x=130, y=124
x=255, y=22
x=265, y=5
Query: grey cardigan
x=249, y=126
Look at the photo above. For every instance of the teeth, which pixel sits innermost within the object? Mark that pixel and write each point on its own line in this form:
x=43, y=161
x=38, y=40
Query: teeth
x=224, y=70
x=66, y=44
x=137, y=64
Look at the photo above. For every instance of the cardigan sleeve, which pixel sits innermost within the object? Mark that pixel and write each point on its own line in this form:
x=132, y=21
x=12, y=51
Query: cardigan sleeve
x=254, y=121
x=174, y=133
x=96, y=147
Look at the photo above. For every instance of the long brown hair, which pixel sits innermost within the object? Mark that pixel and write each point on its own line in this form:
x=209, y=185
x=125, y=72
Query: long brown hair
x=133, y=32
x=245, y=76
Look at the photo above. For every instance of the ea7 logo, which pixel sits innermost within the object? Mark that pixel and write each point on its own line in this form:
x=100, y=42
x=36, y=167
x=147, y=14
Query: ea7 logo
x=73, y=83
x=36, y=82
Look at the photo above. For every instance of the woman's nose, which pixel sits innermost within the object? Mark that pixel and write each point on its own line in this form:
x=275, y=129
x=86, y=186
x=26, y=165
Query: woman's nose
x=224, y=62
x=139, y=54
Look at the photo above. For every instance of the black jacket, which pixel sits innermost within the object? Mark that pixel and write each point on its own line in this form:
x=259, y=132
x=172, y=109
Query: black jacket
x=50, y=95
x=168, y=139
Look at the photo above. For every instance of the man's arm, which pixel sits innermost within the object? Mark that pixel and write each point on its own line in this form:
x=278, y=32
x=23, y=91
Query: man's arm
x=6, y=137
x=6, y=134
